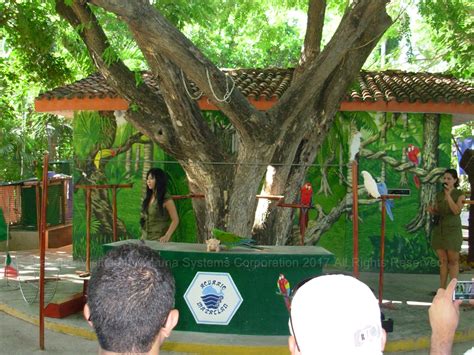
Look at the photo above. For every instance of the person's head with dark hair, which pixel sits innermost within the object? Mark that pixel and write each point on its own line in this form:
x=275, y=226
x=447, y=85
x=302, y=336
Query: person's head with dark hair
x=451, y=175
x=156, y=182
x=130, y=300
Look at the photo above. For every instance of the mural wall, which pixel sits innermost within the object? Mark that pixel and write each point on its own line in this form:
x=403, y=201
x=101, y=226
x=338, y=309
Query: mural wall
x=405, y=151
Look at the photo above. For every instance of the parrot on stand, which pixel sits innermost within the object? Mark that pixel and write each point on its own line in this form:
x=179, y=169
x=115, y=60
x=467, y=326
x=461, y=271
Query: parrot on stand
x=306, y=199
x=382, y=187
x=284, y=290
x=370, y=184
x=413, y=154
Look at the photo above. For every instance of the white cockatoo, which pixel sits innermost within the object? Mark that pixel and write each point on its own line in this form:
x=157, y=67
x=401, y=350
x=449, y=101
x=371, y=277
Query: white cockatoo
x=355, y=145
x=370, y=185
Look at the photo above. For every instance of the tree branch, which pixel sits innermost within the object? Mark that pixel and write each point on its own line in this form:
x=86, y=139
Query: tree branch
x=163, y=38
x=186, y=118
x=356, y=35
x=314, y=32
x=148, y=106
x=426, y=176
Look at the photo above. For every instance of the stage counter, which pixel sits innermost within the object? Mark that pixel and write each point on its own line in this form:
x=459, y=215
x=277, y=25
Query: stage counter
x=235, y=291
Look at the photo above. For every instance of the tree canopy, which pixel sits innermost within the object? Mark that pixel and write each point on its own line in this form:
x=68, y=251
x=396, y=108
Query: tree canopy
x=48, y=42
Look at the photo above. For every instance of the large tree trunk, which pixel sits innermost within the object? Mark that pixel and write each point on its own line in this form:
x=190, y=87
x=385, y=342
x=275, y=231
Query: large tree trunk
x=430, y=161
x=289, y=133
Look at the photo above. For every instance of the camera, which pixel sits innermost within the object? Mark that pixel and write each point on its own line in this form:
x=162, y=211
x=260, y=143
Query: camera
x=464, y=290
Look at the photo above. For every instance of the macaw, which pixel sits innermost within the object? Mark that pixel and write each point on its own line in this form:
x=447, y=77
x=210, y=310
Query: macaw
x=231, y=240
x=306, y=199
x=382, y=187
x=103, y=153
x=370, y=185
x=413, y=154
x=284, y=290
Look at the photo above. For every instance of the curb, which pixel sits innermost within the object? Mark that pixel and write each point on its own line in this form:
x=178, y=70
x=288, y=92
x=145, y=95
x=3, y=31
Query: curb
x=421, y=343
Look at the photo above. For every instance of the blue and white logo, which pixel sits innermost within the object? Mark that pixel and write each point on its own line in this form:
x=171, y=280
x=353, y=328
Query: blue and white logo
x=213, y=298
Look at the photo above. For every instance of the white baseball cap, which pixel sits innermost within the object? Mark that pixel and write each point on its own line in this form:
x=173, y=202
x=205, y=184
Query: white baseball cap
x=336, y=314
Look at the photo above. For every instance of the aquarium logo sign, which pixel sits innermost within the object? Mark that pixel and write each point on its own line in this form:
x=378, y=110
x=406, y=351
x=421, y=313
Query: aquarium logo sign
x=213, y=298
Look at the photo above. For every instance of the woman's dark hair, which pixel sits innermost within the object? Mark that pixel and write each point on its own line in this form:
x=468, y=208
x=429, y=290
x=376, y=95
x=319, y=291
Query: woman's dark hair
x=454, y=174
x=159, y=191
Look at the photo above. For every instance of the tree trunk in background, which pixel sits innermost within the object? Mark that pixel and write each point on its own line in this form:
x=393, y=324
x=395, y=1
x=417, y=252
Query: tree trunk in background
x=137, y=157
x=341, y=163
x=147, y=163
x=128, y=162
x=429, y=161
x=403, y=159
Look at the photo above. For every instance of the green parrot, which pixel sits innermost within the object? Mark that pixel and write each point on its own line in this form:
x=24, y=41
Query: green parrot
x=231, y=240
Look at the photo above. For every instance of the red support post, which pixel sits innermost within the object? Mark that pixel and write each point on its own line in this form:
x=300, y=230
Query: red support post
x=42, y=232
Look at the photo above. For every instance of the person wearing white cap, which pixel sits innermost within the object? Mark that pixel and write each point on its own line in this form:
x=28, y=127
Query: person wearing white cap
x=335, y=314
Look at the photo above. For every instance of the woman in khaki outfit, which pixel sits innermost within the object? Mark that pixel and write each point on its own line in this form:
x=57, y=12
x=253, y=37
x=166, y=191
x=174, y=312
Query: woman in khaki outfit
x=159, y=217
x=447, y=232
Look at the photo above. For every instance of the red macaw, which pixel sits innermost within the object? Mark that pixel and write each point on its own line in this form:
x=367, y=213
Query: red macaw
x=284, y=289
x=413, y=155
x=306, y=199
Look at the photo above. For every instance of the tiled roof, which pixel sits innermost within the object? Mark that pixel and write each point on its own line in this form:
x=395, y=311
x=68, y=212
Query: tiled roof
x=270, y=84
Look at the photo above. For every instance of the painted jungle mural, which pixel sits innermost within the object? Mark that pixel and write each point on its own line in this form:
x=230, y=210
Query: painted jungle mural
x=406, y=151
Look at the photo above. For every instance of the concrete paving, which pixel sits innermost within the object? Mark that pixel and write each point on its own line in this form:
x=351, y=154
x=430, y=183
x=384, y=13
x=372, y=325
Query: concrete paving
x=406, y=300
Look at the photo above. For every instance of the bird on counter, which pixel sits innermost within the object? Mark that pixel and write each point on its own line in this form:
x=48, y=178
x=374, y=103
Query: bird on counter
x=284, y=290
x=382, y=187
x=231, y=240
x=370, y=185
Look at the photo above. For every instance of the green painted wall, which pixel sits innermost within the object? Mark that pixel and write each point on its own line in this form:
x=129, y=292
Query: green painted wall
x=405, y=252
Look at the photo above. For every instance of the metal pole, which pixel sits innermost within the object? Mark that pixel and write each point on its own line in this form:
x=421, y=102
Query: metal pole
x=88, y=230
x=114, y=212
x=42, y=231
x=355, y=218
x=382, y=250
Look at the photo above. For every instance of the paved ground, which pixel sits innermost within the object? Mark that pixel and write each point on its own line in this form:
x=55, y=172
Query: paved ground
x=410, y=296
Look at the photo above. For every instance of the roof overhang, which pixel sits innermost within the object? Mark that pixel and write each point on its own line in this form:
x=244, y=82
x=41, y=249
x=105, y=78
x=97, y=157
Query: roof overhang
x=66, y=106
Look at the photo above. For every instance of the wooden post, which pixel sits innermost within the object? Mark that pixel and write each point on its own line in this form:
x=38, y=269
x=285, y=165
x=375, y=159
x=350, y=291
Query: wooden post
x=88, y=230
x=38, y=209
x=382, y=250
x=355, y=219
x=64, y=202
x=42, y=232
x=114, y=212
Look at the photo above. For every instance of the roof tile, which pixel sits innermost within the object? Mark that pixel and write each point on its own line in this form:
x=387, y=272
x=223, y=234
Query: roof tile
x=268, y=84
